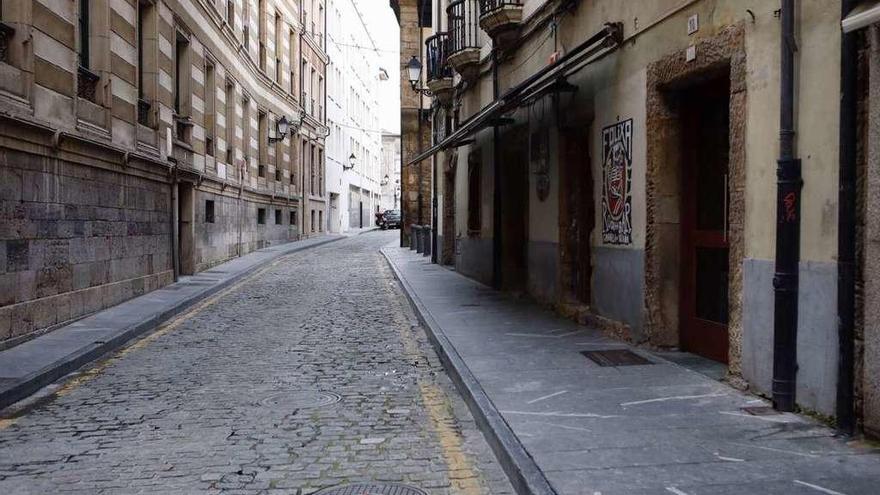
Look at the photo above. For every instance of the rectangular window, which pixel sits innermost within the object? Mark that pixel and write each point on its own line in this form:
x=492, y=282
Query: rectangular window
x=304, y=89
x=305, y=161
x=246, y=27
x=278, y=174
x=278, y=45
x=230, y=12
x=86, y=80
x=312, y=170
x=292, y=217
x=321, y=172
x=181, y=73
x=143, y=109
x=321, y=98
x=312, y=108
x=246, y=131
x=210, y=105
x=474, y=190
x=209, y=211
x=292, y=62
x=320, y=221
x=230, y=122
x=261, y=32
x=293, y=143
x=313, y=221
x=84, y=32
x=261, y=216
x=278, y=217
x=263, y=138
x=182, y=79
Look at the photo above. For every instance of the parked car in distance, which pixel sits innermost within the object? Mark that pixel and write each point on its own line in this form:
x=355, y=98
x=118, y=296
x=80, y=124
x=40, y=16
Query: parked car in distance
x=391, y=219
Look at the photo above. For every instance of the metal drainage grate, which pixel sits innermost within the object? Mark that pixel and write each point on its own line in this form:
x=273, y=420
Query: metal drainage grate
x=616, y=357
x=300, y=399
x=372, y=489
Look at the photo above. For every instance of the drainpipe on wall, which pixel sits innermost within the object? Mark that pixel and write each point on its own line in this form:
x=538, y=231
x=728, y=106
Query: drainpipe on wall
x=788, y=197
x=175, y=226
x=240, y=206
x=496, y=190
x=846, y=232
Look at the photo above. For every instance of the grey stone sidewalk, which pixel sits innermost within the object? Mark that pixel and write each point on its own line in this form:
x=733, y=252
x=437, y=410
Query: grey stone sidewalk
x=645, y=429
x=26, y=368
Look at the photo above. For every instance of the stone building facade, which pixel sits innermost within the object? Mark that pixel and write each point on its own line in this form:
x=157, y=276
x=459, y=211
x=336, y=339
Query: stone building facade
x=138, y=143
x=618, y=160
x=391, y=170
x=415, y=18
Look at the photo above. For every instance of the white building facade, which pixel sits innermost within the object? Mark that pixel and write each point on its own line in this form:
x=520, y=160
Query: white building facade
x=390, y=172
x=354, y=146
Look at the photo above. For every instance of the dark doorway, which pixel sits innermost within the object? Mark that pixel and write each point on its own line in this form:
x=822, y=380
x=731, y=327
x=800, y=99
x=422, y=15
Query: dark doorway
x=449, y=231
x=185, y=227
x=514, y=169
x=576, y=215
x=705, y=151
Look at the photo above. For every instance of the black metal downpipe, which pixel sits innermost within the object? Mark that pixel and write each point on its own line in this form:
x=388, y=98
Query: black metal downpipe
x=496, y=190
x=788, y=198
x=846, y=232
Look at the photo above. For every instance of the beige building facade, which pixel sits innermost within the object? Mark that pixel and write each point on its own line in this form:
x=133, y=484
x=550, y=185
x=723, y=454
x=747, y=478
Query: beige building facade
x=140, y=141
x=618, y=160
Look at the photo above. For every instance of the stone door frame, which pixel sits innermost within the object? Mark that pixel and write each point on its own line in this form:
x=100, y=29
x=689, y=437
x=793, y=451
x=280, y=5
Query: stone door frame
x=715, y=55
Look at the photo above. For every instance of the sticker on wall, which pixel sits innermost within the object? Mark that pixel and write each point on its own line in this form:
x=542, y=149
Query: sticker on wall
x=540, y=157
x=617, y=183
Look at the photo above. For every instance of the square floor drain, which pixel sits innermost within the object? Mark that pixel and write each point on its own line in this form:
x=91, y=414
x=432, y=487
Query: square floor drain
x=616, y=357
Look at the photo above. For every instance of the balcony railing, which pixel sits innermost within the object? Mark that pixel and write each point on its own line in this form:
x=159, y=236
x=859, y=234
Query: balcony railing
x=437, y=50
x=464, y=32
x=501, y=19
x=490, y=6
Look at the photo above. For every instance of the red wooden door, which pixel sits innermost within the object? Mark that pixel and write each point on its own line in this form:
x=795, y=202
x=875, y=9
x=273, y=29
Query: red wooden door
x=704, y=241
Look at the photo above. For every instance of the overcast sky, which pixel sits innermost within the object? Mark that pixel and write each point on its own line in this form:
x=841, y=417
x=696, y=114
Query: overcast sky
x=386, y=33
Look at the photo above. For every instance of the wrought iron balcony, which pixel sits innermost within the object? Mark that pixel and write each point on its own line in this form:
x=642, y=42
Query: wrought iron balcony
x=437, y=50
x=498, y=17
x=439, y=73
x=464, y=37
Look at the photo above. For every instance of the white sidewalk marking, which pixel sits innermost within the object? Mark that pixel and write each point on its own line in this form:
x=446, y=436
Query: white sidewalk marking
x=677, y=397
x=675, y=490
x=817, y=488
x=557, y=414
x=554, y=394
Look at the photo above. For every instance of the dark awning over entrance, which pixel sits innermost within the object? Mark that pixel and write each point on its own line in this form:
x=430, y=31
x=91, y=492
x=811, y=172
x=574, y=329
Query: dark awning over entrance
x=542, y=82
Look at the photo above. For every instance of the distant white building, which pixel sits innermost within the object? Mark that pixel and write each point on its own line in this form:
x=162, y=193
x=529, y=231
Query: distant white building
x=354, y=146
x=390, y=172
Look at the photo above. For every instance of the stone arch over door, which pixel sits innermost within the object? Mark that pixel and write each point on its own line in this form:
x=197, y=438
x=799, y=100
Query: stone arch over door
x=717, y=54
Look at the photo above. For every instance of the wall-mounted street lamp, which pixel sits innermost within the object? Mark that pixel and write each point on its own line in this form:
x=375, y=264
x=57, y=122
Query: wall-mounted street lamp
x=282, y=126
x=351, y=161
x=414, y=69
x=384, y=180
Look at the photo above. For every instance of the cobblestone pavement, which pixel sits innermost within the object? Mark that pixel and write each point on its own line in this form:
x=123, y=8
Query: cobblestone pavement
x=309, y=374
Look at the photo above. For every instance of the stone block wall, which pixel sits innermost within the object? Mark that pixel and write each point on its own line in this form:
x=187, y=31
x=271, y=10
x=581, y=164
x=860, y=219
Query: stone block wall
x=219, y=241
x=75, y=239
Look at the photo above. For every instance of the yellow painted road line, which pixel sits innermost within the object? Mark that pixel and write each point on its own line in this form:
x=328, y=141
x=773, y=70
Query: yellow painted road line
x=463, y=477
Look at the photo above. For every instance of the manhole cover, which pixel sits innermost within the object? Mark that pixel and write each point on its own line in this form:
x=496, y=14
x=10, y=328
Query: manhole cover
x=300, y=399
x=616, y=357
x=372, y=489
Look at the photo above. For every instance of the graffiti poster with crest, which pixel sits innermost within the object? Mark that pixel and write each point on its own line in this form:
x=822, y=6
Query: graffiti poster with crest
x=617, y=183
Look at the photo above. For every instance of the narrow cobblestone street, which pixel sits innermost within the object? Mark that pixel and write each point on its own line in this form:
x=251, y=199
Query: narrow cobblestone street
x=311, y=373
